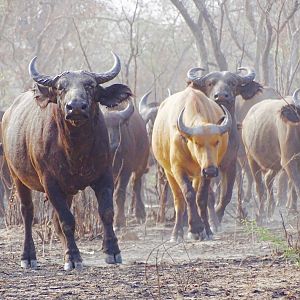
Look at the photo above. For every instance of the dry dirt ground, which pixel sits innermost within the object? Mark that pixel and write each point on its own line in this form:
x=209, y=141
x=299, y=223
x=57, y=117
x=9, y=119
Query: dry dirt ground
x=234, y=265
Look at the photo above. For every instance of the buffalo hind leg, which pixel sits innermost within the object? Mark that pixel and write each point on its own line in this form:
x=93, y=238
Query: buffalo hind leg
x=293, y=173
x=140, y=212
x=269, y=180
x=291, y=203
x=28, y=258
x=283, y=188
x=104, y=189
x=257, y=175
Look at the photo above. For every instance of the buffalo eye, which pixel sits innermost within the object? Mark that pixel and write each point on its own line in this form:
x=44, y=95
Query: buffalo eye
x=217, y=143
x=88, y=86
x=62, y=85
x=199, y=145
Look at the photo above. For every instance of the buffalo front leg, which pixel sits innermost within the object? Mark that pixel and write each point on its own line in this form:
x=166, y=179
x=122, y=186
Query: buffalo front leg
x=202, y=200
x=59, y=200
x=213, y=218
x=120, y=198
x=196, y=226
x=228, y=178
x=104, y=188
x=28, y=258
x=58, y=227
x=177, y=234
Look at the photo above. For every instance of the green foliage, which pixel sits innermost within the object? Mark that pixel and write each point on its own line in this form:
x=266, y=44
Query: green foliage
x=291, y=251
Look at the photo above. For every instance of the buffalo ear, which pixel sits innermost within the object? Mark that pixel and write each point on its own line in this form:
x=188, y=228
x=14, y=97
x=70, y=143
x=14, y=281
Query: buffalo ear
x=113, y=94
x=249, y=90
x=197, y=86
x=43, y=95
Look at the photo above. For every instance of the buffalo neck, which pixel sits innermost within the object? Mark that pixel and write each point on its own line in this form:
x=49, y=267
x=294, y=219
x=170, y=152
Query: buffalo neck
x=77, y=142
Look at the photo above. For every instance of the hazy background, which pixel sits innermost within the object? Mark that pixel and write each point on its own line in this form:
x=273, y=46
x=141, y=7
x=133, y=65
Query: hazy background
x=157, y=40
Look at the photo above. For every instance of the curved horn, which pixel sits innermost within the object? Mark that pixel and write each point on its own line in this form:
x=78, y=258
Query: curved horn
x=143, y=102
x=126, y=113
x=185, y=129
x=227, y=122
x=39, y=78
x=111, y=74
x=296, y=98
x=192, y=74
x=249, y=76
x=199, y=130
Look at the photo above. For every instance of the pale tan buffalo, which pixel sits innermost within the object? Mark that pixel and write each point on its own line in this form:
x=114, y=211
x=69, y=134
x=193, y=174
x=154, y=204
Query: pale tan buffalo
x=271, y=135
x=250, y=94
x=189, y=140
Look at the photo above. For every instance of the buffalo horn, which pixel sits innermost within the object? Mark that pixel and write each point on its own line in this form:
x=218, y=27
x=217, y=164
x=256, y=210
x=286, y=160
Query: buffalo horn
x=192, y=74
x=145, y=111
x=45, y=80
x=111, y=74
x=248, y=77
x=143, y=102
x=126, y=113
x=199, y=130
x=296, y=98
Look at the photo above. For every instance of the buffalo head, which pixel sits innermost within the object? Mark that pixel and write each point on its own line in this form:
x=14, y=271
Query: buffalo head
x=204, y=141
x=148, y=111
x=77, y=93
x=114, y=120
x=221, y=87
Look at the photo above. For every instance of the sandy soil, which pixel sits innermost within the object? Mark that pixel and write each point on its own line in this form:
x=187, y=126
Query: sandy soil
x=234, y=265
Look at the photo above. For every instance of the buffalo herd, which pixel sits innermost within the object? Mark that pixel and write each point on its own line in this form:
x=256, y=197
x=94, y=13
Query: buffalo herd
x=69, y=132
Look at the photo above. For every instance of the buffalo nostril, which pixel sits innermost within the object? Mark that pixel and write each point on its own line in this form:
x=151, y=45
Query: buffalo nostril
x=69, y=107
x=83, y=106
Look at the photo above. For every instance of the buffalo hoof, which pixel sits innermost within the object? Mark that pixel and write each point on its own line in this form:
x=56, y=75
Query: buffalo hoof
x=70, y=265
x=26, y=264
x=209, y=237
x=292, y=212
x=176, y=239
x=193, y=236
x=140, y=221
x=117, y=228
x=113, y=258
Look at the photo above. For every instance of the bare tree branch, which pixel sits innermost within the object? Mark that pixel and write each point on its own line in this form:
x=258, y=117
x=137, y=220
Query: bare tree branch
x=81, y=46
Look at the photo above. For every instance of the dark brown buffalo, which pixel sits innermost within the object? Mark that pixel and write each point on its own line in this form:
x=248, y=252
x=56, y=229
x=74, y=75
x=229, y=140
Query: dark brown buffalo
x=223, y=87
x=130, y=148
x=148, y=111
x=55, y=141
